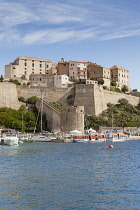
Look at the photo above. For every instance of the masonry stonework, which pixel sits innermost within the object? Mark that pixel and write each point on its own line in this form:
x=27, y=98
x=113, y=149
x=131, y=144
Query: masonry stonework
x=8, y=95
x=91, y=96
x=72, y=118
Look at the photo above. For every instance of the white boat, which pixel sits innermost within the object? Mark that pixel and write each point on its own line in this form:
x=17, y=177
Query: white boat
x=81, y=138
x=11, y=139
x=116, y=137
x=98, y=138
x=41, y=138
x=89, y=138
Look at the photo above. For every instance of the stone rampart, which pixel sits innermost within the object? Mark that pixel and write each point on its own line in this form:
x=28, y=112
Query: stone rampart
x=8, y=95
x=72, y=118
x=91, y=96
x=102, y=97
x=49, y=94
x=53, y=116
x=95, y=99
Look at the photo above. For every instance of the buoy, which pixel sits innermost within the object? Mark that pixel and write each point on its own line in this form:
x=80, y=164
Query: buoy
x=110, y=146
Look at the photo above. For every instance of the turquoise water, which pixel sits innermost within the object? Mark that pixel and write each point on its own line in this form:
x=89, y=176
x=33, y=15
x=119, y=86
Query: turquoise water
x=70, y=176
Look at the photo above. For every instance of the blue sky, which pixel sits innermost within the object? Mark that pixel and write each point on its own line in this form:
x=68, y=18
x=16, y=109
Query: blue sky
x=106, y=32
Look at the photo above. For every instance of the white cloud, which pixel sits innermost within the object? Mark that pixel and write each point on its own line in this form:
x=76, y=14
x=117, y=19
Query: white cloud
x=32, y=22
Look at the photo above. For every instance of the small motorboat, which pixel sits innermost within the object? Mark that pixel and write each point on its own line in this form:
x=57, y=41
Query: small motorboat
x=11, y=138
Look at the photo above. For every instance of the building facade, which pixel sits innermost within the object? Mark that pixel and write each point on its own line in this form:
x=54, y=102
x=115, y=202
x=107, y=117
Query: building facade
x=42, y=80
x=23, y=67
x=120, y=75
x=63, y=67
x=77, y=70
x=61, y=81
x=98, y=72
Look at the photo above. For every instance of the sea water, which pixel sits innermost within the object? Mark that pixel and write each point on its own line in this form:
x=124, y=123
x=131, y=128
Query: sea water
x=70, y=176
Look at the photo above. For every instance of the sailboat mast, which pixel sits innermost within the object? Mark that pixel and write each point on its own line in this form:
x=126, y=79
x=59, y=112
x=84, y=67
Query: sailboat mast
x=41, y=111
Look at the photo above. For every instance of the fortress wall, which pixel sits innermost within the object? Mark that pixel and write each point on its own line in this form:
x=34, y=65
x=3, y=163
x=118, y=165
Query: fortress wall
x=95, y=99
x=84, y=96
x=92, y=97
x=52, y=116
x=49, y=94
x=8, y=95
x=72, y=118
x=103, y=97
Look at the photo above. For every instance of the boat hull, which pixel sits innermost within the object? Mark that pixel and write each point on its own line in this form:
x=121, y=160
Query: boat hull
x=41, y=139
x=11, y=141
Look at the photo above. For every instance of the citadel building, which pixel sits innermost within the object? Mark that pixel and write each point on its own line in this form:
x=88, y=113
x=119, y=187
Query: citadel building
x=43, y=72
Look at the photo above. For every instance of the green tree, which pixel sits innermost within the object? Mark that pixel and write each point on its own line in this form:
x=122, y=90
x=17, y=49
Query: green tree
x=124, y=89
x=101, y=82
x=15, y=81
x=1, y=78
x=123, y=101
x=113, y=83
x=22, y=99
x=134, y=90
x=32, y=100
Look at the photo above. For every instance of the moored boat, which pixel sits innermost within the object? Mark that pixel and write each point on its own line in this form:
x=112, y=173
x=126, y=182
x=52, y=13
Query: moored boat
x=116, y=137
x=97, y=138
x=89, y=138
x=11, y=138
x=81, y=138
x=41, y=138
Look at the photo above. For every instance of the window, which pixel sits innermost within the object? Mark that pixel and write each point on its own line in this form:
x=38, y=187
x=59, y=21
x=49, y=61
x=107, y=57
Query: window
x=25, y=64
x=32, y=72
x=32, y=60
x=32, y=64
x=40, y=65
x=47, y=66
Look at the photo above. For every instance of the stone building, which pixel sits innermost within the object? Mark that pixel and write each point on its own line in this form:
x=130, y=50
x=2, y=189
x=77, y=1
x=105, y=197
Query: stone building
x=61, y=81
x=44, y=80
x=23, y=67
x=95, y=71
x=63, y=67
x=77, y=70
x=120, y=75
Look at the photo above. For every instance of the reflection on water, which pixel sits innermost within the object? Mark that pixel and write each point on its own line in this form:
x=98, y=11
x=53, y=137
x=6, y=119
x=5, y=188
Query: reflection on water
x=70, y=176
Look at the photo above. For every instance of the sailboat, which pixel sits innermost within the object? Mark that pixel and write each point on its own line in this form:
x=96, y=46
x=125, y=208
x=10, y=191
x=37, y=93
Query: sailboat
x=42, y=136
